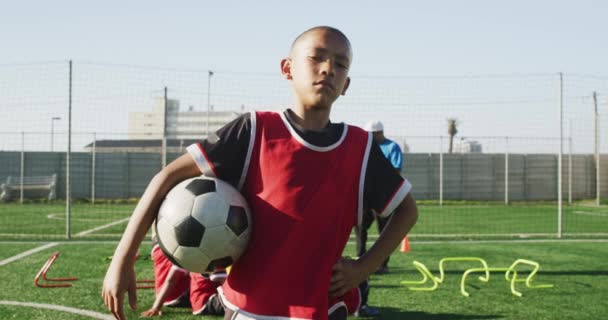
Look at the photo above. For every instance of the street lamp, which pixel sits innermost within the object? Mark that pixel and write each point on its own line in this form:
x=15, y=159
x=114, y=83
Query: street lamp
x=53, y=130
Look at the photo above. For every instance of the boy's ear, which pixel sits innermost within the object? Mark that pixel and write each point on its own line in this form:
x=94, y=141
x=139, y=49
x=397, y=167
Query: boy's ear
x=286, y=68
x=346, y=86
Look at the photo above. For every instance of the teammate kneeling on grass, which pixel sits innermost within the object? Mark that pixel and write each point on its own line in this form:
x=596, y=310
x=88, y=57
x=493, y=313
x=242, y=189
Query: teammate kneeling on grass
x=176, y=287
x=175, y=279
x=203, y=298
x=306, y=180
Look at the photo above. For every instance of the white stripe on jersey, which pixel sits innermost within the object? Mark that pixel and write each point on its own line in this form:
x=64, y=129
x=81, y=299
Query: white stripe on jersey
x=397, y=198
x=201, y=160
x=308, y=145
x=362, y=178
x=252, y=117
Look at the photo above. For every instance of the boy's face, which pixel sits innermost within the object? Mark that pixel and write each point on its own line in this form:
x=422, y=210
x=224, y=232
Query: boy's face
x=318, y=68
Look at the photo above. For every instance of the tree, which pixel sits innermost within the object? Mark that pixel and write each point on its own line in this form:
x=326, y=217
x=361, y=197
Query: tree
x=452, y=131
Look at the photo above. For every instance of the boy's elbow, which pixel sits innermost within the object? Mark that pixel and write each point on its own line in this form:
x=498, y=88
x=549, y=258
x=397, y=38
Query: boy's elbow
x=409, y=208
x=162, y=176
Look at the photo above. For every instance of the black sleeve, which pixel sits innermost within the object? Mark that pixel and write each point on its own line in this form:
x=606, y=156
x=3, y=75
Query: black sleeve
x=227, y=148
x=382, y=182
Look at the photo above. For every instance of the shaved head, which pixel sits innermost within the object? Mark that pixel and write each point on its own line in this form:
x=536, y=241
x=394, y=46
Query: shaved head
x=319, y=28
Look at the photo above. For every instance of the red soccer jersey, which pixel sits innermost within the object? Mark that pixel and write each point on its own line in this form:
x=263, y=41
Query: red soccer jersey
x=305, y=200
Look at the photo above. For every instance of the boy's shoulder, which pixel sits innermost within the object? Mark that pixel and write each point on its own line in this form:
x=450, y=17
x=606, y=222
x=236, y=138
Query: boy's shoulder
x=354, y=127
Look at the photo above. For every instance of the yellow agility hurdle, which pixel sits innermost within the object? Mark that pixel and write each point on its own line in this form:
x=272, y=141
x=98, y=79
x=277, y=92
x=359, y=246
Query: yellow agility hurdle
x=510, y=275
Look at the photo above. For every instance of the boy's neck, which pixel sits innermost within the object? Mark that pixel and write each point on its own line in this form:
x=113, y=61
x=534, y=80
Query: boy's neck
x=311, y=118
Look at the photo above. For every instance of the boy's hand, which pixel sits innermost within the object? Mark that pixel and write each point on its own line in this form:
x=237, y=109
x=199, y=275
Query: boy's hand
x=151, y=313
x=115, y=284
x=346, y=274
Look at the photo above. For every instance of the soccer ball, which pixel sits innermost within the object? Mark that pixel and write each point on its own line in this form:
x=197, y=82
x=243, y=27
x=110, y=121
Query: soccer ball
x=203, y=224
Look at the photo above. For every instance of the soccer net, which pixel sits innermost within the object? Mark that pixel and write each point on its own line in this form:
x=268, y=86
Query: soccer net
x=483, y=152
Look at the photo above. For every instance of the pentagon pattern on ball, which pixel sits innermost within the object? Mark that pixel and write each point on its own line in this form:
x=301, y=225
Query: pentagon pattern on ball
x=189, y=232
x=169, y=256
x=219, y=264
x=176, y=207
x=201, y=186
x=192, y=259
x=216, y=240
x=166, y=234
x=207, y=203
x=237, y=220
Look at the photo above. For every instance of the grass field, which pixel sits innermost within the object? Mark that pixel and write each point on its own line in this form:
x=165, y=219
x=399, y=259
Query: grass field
x=577, y=266
x=469, y=220
x=578, y=270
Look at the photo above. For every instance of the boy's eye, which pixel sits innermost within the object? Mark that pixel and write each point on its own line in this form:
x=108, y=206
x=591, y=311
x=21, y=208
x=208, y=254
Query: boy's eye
x=315, y=58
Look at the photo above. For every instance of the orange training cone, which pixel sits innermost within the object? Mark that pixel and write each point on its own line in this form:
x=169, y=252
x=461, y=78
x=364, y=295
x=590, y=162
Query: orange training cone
x=405, y=245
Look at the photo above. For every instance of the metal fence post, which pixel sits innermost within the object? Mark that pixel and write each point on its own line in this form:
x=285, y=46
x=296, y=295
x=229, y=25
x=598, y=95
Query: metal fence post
x=570, y=164
x=440, y=170
x=93, y=159
x=597, y=150
x=164, y=139
x=559, y=156
x=506, y=170
x=22, y=169
x=68, y=185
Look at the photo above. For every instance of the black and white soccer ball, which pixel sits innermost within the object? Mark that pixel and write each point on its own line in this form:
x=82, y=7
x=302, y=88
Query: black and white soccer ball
x=203, y=224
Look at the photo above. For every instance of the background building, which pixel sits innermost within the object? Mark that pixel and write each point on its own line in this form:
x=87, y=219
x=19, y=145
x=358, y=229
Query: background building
x=467, y=146
x=180, y=124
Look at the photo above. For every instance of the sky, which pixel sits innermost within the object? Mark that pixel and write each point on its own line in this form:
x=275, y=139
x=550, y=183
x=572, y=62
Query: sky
x=389, y=37
x=416, y=39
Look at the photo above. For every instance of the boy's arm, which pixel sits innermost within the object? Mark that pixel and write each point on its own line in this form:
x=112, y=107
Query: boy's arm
x=120, y=277
x=162, y=295
x=348, y=274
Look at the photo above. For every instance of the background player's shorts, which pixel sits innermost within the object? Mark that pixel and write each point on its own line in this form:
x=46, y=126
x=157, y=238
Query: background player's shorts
x=340, y=308
x=162, y=265
x=203, y=295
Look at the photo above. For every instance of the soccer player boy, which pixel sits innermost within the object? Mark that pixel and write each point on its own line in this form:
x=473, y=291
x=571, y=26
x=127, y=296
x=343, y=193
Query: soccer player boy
x=307, y=181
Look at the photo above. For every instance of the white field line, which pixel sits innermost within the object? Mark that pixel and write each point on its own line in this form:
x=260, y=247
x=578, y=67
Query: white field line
x=27, y=253
x=61, y=216
x=591, y=213
x=59, y=236
x=81, y=234
x=66, y=242
x=101, y=227
x=519, y=241
x=82, y=312
x=494, y=235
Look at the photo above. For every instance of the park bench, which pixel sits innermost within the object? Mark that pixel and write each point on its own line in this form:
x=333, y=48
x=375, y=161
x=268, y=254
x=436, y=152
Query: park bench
x=12, y=187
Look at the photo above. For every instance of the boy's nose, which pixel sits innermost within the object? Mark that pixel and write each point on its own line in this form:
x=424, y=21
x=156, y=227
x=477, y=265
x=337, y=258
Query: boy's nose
x=327, y=68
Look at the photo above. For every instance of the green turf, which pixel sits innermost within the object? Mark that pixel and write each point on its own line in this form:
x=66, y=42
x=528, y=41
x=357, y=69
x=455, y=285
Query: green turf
x=578, y=271
x=47, y=221
x=454, y=219
x=16, y=248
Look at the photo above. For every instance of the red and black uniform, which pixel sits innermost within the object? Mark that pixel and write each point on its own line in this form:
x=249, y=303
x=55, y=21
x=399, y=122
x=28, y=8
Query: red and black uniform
x=307, y=189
